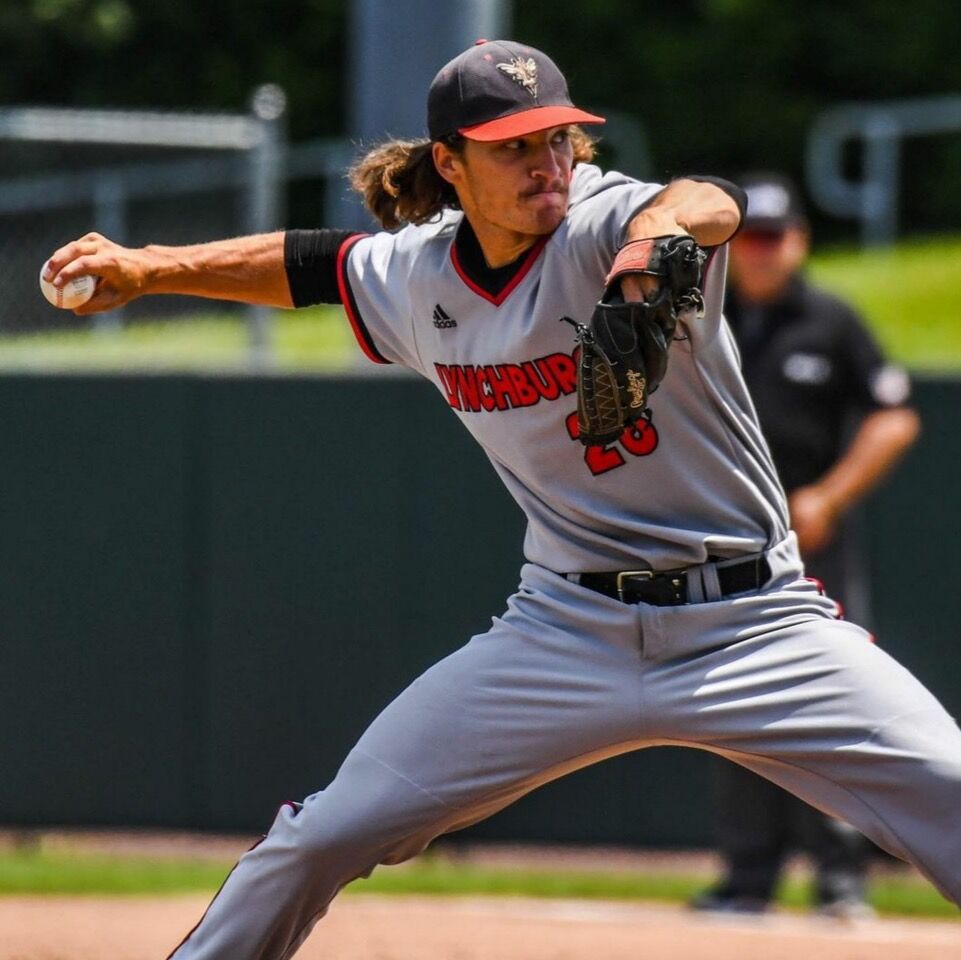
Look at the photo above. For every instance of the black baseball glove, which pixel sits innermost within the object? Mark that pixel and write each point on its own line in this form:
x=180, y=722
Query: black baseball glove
x=624, y=347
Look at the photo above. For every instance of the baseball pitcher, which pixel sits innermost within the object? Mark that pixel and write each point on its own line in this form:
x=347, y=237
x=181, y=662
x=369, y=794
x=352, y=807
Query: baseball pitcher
x=571, y=320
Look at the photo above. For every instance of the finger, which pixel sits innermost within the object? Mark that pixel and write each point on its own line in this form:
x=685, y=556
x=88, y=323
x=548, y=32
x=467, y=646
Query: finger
x=105, y=298
x=67, y=254
x=88, y=263
x=638, y=286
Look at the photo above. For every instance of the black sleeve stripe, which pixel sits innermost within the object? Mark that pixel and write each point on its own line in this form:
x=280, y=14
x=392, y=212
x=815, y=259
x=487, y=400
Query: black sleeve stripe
x=310, y=259
x=364, y=339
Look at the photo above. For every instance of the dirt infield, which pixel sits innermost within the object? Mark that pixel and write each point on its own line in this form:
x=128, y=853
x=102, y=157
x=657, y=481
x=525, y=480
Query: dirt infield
x=420, y=928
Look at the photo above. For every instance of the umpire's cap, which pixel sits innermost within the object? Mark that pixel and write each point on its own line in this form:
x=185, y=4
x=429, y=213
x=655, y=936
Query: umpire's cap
x=497, y=90
x=773, y=202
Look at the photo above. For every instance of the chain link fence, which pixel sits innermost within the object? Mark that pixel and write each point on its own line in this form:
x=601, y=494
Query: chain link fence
x=173, y=178
x=41, y=212
x=138, y=177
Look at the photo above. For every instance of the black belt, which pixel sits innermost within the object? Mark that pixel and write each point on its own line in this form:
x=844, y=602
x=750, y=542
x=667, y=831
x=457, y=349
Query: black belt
x=669, y=588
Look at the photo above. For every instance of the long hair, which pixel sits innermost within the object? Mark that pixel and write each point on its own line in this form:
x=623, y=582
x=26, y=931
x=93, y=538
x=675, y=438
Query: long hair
x=400, y=184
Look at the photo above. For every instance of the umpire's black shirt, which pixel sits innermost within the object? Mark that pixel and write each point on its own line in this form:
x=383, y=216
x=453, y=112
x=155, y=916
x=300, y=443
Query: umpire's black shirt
x=813, y=371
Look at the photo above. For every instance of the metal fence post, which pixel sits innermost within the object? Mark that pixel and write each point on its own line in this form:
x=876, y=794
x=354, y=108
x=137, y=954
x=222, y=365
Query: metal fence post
x=268, y=106
x=882, y=176
x=881, y=127
x=110, y=216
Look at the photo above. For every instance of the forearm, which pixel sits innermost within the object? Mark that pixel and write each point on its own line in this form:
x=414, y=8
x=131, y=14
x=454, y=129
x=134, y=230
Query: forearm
x=880, y=442
x=246, y=269
x=703, y=210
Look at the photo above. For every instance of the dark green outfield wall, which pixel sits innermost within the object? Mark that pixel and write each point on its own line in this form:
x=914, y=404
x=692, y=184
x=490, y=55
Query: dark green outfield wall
x=208, y=590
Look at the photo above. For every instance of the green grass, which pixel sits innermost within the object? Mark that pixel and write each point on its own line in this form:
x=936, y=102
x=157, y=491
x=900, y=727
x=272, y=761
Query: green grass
x=49, y=873
x=910, y=295
x=318, y=339
x=891, y=895
x=40, y=872
x=444, y=878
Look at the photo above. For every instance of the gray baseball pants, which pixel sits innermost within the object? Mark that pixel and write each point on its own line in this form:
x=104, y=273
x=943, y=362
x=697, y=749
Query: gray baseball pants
x=567, y=677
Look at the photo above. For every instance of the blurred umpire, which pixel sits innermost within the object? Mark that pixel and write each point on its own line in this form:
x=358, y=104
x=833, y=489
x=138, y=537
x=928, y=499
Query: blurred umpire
x=834, y=414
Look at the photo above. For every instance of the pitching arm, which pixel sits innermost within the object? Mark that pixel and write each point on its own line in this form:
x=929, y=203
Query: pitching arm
x=244, y=269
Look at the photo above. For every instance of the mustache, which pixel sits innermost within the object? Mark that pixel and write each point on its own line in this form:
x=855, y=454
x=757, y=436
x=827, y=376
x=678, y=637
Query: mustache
x=557, y=186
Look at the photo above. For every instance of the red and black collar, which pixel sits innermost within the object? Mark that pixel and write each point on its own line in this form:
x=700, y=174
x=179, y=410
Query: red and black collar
x=494, y=284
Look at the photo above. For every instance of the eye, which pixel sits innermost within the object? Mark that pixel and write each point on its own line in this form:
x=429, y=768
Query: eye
x=562, y=136
x=514, y=144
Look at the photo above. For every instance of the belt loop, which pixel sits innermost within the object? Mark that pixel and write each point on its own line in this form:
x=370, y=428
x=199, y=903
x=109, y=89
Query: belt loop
x=765, y=572
x=695, y=586
x=712, y=586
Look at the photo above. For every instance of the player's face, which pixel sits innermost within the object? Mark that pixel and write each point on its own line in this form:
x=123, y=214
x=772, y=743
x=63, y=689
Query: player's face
x=512, y=191
x=763, y=262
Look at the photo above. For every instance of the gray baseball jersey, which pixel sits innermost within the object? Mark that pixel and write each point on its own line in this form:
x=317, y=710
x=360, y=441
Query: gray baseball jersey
x=567, y=676
x=695, y=483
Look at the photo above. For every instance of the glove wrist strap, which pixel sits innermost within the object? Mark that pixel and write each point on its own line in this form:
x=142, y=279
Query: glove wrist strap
x=634, y=257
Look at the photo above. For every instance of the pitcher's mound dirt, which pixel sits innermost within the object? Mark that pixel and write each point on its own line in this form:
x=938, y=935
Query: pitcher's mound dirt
x=363, y=927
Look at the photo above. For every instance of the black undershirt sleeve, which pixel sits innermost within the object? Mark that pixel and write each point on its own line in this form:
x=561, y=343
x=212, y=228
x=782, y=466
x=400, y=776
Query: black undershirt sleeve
x=731, y=189
x=310, y=259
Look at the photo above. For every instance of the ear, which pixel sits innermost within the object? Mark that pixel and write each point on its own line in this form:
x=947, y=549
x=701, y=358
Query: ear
x=800, y=240
x=447, y=162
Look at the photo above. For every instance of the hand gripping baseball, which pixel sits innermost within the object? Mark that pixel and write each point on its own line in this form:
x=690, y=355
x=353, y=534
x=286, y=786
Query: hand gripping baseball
x=121, y=272
x=624, y=348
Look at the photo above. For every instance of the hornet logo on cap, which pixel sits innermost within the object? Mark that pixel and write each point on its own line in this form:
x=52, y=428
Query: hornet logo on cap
x=523, y=72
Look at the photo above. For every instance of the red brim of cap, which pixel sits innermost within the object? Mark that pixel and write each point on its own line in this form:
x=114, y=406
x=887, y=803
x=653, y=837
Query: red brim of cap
x=527, y=121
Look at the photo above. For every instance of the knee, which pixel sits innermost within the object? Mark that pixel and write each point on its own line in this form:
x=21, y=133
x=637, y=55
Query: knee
x=350, y=843
x=318, y=828
x=383, y=820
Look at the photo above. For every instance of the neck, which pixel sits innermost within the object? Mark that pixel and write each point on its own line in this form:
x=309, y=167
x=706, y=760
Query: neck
x=499, y=246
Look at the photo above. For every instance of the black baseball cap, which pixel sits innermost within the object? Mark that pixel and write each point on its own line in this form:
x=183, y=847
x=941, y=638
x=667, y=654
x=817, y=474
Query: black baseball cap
x=773, y=202
x=499, y=89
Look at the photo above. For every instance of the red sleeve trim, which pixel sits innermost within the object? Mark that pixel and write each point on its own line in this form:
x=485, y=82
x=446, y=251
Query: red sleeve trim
x=364, y=339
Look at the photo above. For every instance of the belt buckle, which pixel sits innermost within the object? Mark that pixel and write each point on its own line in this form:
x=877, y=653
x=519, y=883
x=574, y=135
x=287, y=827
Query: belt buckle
x=642, y=574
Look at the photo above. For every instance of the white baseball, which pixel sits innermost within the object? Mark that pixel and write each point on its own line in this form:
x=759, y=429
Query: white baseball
x=71, y=295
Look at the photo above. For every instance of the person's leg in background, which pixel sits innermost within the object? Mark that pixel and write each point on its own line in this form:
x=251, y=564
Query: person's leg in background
x=759, y=825
x=752, y=836
x=839, y=855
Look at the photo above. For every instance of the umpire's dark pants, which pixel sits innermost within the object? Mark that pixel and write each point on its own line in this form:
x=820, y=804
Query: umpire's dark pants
x=758, y=824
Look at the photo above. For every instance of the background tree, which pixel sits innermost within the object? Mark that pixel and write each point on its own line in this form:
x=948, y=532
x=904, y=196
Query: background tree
x=720, y=85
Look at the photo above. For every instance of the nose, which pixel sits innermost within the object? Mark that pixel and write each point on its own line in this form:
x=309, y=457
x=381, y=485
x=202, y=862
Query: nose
x=547, y=163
